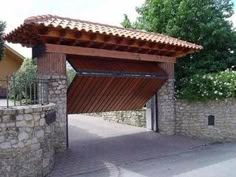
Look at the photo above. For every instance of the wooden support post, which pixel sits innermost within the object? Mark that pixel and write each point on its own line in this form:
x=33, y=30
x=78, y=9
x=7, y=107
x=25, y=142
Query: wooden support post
x=52, y=66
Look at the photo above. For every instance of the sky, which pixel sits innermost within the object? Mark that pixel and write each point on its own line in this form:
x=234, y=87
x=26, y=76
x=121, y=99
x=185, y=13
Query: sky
x=102, y=11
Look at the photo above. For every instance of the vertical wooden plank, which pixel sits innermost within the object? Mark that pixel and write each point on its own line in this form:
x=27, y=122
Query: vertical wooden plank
x=52, y=63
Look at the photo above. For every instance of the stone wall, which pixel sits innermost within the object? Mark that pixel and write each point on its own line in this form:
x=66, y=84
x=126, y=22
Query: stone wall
x=57, y=94
x=192, y=119
x=26, y=141
x=134, y=118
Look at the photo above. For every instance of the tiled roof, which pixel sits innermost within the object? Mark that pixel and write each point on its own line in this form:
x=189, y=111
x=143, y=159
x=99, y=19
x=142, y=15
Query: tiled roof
x=75, y=24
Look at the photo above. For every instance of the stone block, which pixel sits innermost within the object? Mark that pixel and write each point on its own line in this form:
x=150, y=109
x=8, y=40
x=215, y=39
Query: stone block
x=39, y=134
x=2, y=139
x=5, y=145
x=23, y=136
x=20, y=145
x=28, y=110
x=28, y=117
x=21, y=124
x=42, y=122
x=9, y=111
x=36, y=116
x=35, y=146
x=13, y=124
x=19, y=117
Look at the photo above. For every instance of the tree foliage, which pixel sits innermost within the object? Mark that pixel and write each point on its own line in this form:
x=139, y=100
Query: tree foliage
x=22, y=80
x=210, y=86
x=28, y=69
x=2, y=28
x=204, y=22
x=126, y=22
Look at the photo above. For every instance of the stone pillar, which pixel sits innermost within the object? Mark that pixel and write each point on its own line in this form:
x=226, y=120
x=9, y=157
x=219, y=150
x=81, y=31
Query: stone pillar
x=52, y=66
x=166, y=102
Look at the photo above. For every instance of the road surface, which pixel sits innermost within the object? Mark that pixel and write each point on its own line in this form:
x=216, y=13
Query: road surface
x=104, y=149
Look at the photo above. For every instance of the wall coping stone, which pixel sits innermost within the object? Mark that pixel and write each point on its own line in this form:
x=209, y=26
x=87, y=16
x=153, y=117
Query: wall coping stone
x=46, y=76
x=26, y=109
x=226, y=100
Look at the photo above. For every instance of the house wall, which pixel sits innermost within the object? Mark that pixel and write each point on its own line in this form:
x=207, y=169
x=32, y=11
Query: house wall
x=9, y=64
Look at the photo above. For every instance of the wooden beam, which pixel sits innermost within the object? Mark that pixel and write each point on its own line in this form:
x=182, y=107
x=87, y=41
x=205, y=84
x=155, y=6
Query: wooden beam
x=84, y=51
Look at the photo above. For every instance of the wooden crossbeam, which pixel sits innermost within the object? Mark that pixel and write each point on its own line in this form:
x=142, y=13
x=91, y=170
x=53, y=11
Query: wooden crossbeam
x=103, y=53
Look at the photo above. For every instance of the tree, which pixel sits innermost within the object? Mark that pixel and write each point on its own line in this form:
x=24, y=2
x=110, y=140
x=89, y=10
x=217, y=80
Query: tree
x=126, y=22
x=22, y=81
x=204, y=22
x=2, y=28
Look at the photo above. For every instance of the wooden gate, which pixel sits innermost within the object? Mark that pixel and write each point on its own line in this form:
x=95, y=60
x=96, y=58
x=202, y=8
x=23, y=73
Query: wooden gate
x=112, y=85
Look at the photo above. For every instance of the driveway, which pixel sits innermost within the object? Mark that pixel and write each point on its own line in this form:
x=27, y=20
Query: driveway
x=104, y=149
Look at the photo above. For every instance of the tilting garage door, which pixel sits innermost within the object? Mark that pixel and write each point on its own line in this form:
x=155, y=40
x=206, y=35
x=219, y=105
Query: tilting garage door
x=112, y=85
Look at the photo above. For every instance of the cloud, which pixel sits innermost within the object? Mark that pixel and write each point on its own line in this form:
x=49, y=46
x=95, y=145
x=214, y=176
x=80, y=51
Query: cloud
x=15, y=12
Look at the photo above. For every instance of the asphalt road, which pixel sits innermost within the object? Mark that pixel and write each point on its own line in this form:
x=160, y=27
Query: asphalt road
x=103, y=149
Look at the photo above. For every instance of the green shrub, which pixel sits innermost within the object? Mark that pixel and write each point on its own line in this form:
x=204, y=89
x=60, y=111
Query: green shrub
x=21, y=83
x=209, y=86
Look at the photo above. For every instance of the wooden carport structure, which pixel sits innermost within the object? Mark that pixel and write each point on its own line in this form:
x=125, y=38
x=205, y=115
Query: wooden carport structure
x=117, y=68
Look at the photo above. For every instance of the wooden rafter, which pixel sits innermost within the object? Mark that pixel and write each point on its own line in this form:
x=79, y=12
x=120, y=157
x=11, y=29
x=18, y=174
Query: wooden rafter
x=36, y=35
x=108, y=42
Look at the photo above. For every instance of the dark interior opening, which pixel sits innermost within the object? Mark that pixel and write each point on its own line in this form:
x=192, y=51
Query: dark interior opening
x=211, y=120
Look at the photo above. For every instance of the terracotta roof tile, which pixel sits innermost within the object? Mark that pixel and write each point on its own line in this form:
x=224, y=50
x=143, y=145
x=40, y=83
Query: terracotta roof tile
x=62, y=22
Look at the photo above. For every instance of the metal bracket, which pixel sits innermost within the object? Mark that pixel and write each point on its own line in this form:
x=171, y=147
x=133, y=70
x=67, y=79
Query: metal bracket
x=120, y=74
